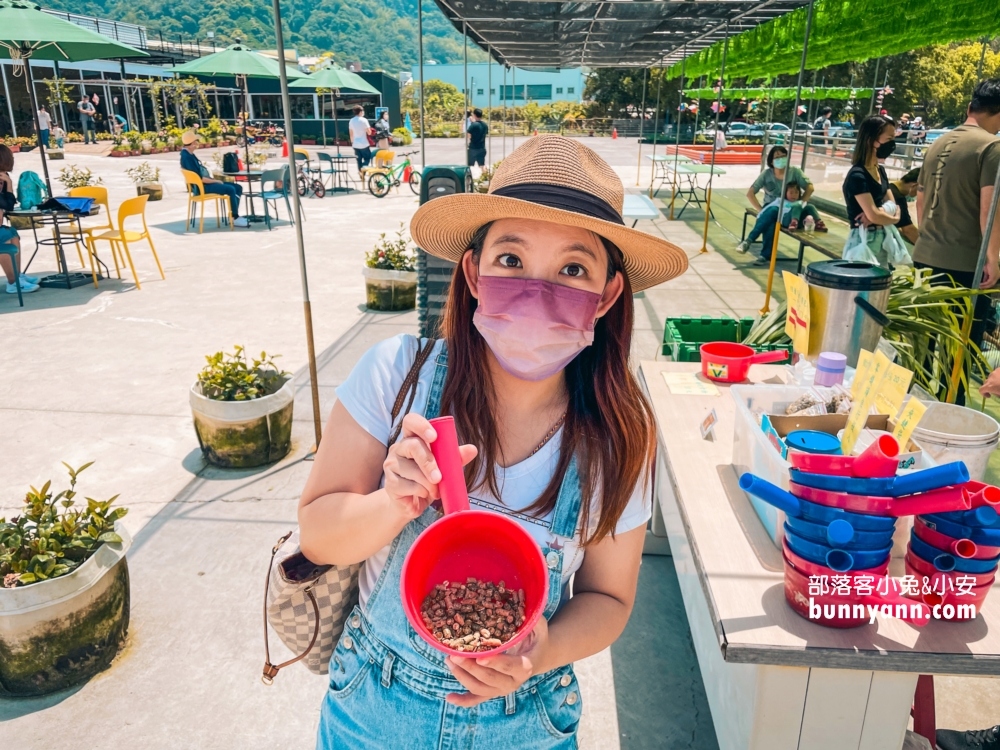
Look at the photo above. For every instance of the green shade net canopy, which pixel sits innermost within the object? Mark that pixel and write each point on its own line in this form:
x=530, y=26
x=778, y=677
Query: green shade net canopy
x=843, y=31
x=338, y=80
x=784, y=92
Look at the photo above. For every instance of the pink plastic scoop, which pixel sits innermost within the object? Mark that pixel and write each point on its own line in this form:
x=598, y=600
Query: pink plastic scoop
x=878, y=460
x=944, y=500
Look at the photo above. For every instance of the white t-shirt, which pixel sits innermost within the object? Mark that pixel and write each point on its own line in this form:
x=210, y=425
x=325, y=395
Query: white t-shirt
x=368, y=395
x=44, y=120
x=359, y=128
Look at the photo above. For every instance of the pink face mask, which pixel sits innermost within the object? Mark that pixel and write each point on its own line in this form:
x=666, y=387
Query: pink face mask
x=534, y=328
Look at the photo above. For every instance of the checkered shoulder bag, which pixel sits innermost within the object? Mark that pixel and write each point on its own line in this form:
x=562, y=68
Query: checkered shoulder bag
x=306, y=603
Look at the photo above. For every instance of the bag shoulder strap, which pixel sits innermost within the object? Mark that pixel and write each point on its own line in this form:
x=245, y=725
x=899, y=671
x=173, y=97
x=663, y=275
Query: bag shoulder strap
x=271, y=670
x=409, y=387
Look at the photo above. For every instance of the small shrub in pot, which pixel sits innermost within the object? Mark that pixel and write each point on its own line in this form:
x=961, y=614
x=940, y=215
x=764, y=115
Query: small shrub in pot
x=242, y=409
x=147, y=180
x=390, y=274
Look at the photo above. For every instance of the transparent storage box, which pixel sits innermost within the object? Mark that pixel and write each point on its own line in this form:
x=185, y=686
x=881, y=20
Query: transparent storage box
x=754, y=451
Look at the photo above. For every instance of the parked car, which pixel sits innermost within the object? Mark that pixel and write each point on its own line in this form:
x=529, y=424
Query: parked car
x=933, y=135
x=772, y=128
x=732, y=130
x=840, y=129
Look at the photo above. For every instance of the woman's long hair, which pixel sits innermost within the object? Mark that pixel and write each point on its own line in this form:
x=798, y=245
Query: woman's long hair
x=868, y=132
x=609, y=425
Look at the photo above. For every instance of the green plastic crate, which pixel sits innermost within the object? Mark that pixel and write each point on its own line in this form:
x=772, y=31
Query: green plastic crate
x=683, y=337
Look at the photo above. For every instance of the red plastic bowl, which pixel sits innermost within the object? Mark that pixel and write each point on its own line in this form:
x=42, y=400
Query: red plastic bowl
x=464, y=543
x=977, y=595
x=729, y=363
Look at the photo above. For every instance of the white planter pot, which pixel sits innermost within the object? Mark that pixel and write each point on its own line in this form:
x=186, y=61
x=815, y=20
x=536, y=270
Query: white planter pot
x=243, y=434
x=58, y=633
x=390, y=290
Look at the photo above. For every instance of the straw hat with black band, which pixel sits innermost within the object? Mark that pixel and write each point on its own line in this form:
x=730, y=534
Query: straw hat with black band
x=555, y=179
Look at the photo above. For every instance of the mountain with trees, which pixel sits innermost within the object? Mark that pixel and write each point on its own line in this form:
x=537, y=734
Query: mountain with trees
x=382, y=34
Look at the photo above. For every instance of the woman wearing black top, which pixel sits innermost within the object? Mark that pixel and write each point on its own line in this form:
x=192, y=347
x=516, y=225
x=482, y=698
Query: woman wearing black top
x=866, y=184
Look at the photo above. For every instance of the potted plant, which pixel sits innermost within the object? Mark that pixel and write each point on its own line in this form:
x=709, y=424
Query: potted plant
x=64, y=590
x=146, y=178
x=390, y=274
x=73, y=176
x=242, y=410
x=401, y=137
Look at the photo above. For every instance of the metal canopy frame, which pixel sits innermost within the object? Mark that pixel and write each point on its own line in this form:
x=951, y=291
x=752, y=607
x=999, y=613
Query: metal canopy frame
x=604, y=33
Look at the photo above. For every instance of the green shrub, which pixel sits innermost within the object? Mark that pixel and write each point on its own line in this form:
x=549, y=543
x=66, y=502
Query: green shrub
x=52, y=536
x=392, y=254
x=230, y=377
x=404, y=135
x=73, y=176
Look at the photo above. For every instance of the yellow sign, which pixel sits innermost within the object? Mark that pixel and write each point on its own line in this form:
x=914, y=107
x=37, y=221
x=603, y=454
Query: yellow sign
x=865, y=393
x=688, y=384
x=892, y=392
x=865, y=360
x=797, y=320
x=907, y=421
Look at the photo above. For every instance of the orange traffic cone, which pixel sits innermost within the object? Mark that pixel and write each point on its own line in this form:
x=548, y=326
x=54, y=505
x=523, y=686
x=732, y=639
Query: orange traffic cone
x=536, y=131
x=284, y=147
x=614, y=134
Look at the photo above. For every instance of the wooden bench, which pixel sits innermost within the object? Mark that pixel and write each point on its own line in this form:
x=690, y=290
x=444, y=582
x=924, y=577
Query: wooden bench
x=813, y=241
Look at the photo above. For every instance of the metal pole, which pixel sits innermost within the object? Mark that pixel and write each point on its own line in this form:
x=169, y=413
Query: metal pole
x=306, y=305
x=784, y=180
x=642, y=120
x=871, y=104
x=489, y=100
x=465, y=91
x=513, y=106
x=976, y=280
x=677, y=143
x=41, y=146
x=715, y=141
x=246, y=102
x=420, y=55
x=656, y=131
x=10, y=110
x=982, y=58
x=504, y=100
x=62, y=109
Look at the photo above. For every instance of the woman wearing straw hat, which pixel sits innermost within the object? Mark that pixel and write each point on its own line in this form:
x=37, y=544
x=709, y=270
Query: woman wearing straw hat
x=533, y=365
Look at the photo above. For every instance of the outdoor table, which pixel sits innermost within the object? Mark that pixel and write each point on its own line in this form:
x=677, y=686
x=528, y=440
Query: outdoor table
x=341, y=175
x=639, y=207
x=63, y=279
x=663, y=169
x=691, y=187
x=249, y=175
x=773, y=679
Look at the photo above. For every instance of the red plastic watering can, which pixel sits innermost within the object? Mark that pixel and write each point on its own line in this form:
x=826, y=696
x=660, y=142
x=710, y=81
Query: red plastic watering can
x=464, y=543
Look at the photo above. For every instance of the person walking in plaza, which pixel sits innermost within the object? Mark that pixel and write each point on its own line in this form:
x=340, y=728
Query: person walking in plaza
x=359, y=130
x=559, y=438
x=770, y=182
x=476, y=136
x=231, y=190
x=821, y=129
x=8, y=235
x=866, y=186
x=44, y=125
x=87, y=112
x=382, y=130
x=953, y=201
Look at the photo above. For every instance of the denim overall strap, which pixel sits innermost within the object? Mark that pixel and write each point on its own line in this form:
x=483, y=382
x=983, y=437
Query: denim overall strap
x=437, y=385
x=565, y=519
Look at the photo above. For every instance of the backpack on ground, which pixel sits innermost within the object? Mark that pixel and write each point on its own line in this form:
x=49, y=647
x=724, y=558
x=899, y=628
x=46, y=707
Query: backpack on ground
x=31, y=191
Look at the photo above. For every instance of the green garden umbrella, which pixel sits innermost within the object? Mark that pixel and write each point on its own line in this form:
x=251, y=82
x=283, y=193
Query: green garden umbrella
x=28, y=32
x=241, y=62
x=337, y=80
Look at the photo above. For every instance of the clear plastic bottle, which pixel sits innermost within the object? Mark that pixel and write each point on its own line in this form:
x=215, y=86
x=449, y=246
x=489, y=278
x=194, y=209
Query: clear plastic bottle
x=809, y=225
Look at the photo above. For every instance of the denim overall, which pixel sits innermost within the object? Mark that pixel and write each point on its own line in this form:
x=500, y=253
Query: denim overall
x=387, y=685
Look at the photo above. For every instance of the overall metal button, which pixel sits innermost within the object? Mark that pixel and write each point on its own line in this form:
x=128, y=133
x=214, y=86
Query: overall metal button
x=347, y=642
x=565, y=680
x=355, y=622
x=552, y=560
x=571, y=699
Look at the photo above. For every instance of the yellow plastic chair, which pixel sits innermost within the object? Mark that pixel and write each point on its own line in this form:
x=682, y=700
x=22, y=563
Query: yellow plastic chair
x=381, y=162
x=121, y=237
x=192, y=181
x=100, y=196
